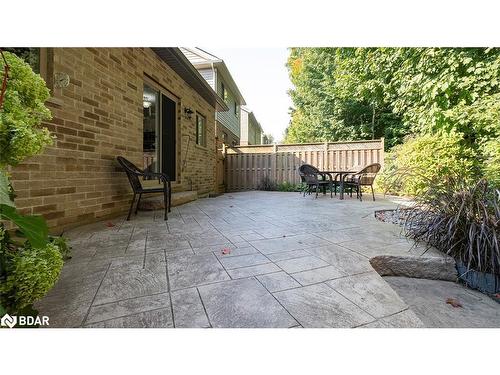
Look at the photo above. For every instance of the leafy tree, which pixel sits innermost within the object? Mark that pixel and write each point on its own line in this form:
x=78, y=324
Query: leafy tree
x=269, y=138
x=341, y=93
x=449, y=89
x=330, y=102
x=347, y=93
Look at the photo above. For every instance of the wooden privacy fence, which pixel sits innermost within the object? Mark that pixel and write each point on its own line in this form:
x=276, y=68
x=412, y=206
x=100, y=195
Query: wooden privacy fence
x=246, y=166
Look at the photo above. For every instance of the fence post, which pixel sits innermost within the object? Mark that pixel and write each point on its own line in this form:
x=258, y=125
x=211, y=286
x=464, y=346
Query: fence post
x=325, y=166
x=224, y=165
x=274, y=163
x=382, y=152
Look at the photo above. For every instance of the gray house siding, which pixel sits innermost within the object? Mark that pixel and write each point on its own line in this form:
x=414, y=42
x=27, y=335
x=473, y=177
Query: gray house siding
x=251, y=132
x=208, y=75
x=229, y=119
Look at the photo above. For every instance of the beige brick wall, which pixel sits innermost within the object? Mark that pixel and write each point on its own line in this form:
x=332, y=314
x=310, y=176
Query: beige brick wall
x=96, y=118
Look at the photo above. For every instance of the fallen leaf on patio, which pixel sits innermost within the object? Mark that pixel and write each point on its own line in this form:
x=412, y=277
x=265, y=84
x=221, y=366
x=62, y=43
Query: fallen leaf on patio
x=109, y=224
x=453, y=302
x=226, y=251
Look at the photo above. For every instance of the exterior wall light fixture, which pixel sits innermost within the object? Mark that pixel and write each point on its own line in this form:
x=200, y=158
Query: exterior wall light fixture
x=188, y=113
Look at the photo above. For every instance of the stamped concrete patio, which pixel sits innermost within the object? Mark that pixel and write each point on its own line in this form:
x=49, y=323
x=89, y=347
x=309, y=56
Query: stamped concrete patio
x=294, y=262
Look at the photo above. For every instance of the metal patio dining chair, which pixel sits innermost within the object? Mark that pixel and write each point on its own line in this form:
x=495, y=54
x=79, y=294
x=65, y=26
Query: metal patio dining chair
x=314, y=178
x=133, y=174
x=365, y=177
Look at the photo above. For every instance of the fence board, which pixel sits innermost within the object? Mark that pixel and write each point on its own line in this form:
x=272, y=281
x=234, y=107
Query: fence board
x=246, y=166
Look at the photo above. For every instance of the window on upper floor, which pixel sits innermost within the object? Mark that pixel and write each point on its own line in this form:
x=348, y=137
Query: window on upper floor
x=201, y=130
x=223, y=92
x=236, y=109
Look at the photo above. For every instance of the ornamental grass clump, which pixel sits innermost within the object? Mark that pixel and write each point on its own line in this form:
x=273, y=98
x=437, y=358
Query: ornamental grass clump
x=461, y=220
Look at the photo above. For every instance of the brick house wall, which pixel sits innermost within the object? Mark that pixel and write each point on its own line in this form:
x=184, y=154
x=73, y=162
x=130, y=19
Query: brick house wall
x=98, y=117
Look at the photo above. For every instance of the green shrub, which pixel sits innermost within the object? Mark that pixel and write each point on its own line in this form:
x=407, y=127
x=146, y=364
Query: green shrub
x=287, y=186
x=492, y=162
x=266, y=184
x=31, y=273
x=410, y=167
x=23, y=111
x=63, y=246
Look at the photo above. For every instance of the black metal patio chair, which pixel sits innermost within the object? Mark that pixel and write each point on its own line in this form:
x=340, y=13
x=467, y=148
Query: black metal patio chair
x=133, y=174
x=314, y=178
x=364, y=177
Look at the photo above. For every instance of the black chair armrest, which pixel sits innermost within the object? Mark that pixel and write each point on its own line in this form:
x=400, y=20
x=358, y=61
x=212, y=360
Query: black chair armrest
x=160, y=176
x=346, y=176
x=163, y=176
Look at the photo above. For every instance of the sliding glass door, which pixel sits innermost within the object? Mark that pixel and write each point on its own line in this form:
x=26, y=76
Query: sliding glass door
x=151, y=129
x=159, y=131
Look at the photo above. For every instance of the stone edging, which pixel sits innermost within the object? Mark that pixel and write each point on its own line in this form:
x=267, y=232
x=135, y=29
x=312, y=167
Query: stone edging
x=433, y=268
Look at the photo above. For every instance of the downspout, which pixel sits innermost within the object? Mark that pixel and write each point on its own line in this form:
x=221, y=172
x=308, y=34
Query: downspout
x=214, y=72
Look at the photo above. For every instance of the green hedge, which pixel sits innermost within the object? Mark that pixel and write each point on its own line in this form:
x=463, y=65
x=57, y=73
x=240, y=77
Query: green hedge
x=410, y=167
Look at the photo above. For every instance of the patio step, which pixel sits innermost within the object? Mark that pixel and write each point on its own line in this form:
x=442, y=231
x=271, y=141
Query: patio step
x=156, y=203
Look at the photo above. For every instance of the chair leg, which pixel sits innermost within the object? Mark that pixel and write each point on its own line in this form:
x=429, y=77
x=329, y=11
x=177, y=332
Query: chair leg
x=169, y=198
x=360, y=194
x=331, y=192
x=317, y=188
x=166, y=204
x=131, y=206
x=373, y=194
x=138, y=201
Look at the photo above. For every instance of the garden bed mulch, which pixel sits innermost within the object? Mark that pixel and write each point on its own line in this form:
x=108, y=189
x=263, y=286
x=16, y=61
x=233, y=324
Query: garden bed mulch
x=397, y=216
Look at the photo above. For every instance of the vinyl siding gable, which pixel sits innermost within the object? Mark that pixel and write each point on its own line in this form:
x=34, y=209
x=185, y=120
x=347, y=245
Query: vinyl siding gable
x=208, y=75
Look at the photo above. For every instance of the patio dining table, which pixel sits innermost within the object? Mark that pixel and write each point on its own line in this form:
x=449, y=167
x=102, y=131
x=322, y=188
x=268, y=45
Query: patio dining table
x=341, y=174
